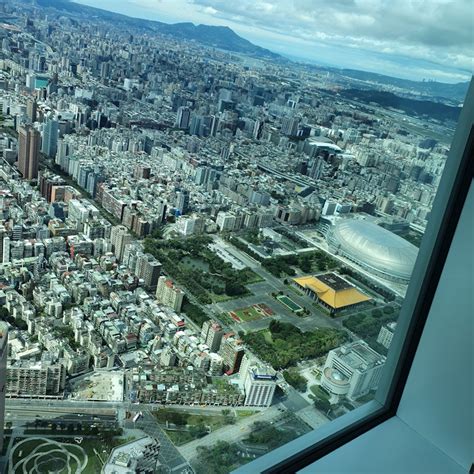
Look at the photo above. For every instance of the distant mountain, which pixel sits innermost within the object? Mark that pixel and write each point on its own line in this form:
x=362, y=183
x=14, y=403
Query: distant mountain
x=412, y=107
x=220, y=37
x=456, y=92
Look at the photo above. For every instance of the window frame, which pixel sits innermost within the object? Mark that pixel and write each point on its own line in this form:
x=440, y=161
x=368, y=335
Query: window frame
x=452, y=191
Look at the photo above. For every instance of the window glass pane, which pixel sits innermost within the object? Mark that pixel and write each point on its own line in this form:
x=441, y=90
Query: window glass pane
x=207, y=232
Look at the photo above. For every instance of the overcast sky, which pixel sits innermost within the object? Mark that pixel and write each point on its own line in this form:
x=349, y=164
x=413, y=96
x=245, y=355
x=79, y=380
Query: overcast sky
x=416, y=39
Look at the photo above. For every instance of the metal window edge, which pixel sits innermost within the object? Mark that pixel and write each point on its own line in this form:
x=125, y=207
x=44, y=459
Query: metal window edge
x=447, y=206
x=279, y=459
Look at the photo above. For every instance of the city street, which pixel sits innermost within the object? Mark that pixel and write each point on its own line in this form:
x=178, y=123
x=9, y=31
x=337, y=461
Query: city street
x=262, y=294
x=230, y=433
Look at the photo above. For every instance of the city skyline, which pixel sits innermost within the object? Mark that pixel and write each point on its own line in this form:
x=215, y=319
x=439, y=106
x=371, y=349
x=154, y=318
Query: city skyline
x=431, y=40
x=204, y=249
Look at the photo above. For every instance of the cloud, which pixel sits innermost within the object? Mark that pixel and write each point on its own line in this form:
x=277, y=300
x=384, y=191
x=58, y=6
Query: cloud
x=433, y=30
x=430, y=32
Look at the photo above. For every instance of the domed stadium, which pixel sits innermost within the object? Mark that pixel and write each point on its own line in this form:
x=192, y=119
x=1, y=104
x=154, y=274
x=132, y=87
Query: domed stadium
x=374, y=248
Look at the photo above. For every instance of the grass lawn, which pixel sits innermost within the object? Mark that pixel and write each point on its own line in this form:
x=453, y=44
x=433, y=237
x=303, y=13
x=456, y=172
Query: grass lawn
x=213, y=421
x=184, y=431
x=319, y=392
x=50, y=460
x=252, y=277
x=220, y=298
x=245, y=413
x=252, y=313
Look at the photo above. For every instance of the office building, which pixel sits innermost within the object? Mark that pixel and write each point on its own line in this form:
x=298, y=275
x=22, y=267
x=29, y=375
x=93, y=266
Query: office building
x=28, y=152
x=289, y=126
x=31, y=110
x=49, y=144
x=259, y=385
x=35, y=379
x=148, y=269
x=182, y=201
x=352, y=370
x=183, y=118
x=119, y=238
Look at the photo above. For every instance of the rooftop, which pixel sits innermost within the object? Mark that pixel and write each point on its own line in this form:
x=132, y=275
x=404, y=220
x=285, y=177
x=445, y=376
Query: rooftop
x=358, y=355
x=332, y=290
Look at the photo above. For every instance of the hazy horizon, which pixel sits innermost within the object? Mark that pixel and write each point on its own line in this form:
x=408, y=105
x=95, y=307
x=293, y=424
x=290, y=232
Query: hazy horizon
x=349, y=34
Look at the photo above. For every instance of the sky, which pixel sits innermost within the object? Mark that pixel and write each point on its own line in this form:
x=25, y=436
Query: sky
x=413, y=39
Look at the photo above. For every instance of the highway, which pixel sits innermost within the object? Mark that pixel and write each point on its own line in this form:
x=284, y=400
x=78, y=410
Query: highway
x=107, y=408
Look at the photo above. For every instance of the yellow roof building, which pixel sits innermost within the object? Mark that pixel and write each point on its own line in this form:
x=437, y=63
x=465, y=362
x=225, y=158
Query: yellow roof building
x=332, y=290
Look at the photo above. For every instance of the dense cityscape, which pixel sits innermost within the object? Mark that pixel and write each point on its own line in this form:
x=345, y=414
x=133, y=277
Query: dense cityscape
x=203, y=252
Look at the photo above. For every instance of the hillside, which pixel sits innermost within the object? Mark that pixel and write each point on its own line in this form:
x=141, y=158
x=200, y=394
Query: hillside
x=214, y=36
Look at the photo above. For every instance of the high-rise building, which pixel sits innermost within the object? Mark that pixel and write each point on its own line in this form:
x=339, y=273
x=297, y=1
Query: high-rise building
x=329, y=208
x=232, y=352
x=3, y=375
x=28, y=152
x=289, y=126
x=386, y=334
x=211, y=334
x=31, y=110
x=195, y=127
x=3, y=234
x=142, y=172
x=182, y=201
x=49, y=144
x=6, y=249
x=169, y=294
x=148, y=269
x=183, y=117
x=119, y=238
x=259, y=385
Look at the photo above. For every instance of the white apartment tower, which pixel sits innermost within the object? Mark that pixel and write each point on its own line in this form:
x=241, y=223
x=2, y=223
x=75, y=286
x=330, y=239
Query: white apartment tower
x=169, y=294
x=386, y=334
x=259, y=385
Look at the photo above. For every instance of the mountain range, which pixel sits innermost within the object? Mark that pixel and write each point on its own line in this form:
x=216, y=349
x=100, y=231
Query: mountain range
x=225, y=38
x=456, y=92
x=221, y=37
